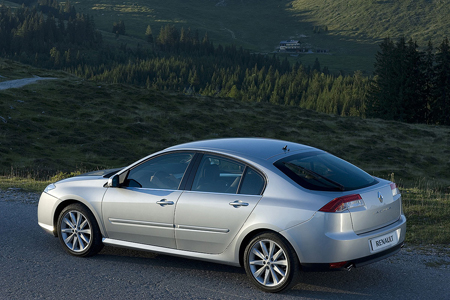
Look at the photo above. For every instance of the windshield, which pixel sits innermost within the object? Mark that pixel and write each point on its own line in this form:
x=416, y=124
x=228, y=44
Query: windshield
x=317, y=170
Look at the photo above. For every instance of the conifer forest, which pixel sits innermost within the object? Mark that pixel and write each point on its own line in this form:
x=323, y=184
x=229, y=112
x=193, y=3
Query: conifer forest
x=411, y=82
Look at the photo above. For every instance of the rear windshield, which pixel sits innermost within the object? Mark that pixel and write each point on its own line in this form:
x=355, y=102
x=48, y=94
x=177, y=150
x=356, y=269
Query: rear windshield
x=321, y=171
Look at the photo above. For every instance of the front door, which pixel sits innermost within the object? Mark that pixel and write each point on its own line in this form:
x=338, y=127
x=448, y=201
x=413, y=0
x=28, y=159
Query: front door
x=142, y=209
x=135, y=215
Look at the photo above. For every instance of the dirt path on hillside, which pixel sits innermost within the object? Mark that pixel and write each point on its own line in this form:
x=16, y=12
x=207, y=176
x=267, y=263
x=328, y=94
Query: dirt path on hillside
x=232, y=33
x=18, y=83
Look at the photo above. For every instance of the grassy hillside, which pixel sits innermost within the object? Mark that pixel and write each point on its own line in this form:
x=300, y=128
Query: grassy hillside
x=74, y=125
x=69, y=123
x=354, y=27
x=369, y=20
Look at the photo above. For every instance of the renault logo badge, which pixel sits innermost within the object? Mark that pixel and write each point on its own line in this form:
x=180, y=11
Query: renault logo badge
x=380, y=197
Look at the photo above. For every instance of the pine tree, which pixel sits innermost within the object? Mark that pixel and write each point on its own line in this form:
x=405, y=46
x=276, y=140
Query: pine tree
x=413, y=85
x=429, y=76
x=68, y=57
x=316, y=65
x=149, y=35
x=56, y=56
x=382, y=90
x=119, y=28
x=193, y=78
x=441, y=105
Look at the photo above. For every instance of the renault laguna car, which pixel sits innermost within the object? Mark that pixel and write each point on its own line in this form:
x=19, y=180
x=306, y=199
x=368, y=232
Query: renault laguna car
x=276, y=208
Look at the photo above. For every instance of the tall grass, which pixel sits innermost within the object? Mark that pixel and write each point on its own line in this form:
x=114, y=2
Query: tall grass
x=28, y=181
x=31, y=180
x=428, y=213
x=25, y=184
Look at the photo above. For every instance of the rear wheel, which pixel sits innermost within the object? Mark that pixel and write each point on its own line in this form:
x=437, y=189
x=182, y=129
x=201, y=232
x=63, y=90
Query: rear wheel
x=78, y=231
x=271, y=262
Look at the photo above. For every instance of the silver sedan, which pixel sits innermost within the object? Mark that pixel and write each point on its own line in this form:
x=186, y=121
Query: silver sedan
x=276, y=208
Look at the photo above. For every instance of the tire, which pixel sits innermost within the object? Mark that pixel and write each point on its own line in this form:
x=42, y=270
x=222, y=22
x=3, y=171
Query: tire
x=271, y=262
x=78, y=231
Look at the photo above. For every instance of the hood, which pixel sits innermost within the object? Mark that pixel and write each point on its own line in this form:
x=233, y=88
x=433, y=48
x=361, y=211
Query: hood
x=104, y=173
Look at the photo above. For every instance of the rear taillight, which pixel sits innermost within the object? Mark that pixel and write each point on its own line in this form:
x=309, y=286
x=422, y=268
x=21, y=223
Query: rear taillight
x=394, y=189
x=343, y=203
x=338, y=265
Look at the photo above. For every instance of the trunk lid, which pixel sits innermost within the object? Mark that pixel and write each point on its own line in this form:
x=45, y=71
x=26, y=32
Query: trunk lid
x=381, y=209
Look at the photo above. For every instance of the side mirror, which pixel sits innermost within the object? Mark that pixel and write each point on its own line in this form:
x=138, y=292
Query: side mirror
x=113, y=181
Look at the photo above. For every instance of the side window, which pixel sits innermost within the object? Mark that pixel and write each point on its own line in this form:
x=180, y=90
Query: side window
x=162, y=172
x=218, y=175
x=253, y=183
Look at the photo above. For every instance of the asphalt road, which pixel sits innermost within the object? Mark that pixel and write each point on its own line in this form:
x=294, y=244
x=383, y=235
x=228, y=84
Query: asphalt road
x=34, y=266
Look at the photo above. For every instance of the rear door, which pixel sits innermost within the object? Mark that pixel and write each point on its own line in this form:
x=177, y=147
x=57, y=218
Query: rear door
x=224, y=192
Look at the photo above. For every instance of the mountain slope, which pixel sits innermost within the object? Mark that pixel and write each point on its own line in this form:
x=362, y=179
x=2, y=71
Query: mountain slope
x=355, y=27
x=372, y=20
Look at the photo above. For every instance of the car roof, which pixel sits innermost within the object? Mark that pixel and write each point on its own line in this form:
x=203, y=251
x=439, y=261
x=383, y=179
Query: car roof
x=260, y=148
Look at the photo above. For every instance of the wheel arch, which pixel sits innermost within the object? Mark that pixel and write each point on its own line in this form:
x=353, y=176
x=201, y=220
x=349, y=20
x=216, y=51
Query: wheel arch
x=251, y=235
x=68, y=202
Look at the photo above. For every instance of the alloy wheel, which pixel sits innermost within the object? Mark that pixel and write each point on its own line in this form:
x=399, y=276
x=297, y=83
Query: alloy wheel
x=268, y=263
x=76, y=231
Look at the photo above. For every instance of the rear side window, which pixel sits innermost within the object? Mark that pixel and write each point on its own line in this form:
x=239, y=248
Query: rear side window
x=321, y=171
x=218, y=175
x=253, y=183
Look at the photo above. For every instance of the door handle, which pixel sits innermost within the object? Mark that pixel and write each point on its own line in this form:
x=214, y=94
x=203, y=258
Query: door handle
x=238, y=203
x=163, y=202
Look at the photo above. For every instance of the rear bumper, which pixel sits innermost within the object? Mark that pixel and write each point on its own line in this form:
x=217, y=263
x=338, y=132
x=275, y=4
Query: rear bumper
x=320, y=267
x=329, y=239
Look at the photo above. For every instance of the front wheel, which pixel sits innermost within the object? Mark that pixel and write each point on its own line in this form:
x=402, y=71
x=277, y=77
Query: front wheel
x=271, y=262
x=78, y=231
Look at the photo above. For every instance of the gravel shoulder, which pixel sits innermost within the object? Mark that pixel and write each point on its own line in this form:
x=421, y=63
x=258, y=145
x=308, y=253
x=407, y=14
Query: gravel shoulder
x=18, y=195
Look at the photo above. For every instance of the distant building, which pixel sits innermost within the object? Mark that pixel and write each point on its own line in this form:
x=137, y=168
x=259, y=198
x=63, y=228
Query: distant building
x=290, y=45
x=296, y=47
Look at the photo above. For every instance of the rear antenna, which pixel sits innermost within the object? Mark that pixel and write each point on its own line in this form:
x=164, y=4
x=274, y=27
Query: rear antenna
x=285, y=148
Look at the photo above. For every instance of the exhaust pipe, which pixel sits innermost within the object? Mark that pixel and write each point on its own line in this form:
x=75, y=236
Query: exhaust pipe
x=350, y=267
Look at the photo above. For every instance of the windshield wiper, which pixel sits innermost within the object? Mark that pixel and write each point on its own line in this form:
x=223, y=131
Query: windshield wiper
x=315, y=175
